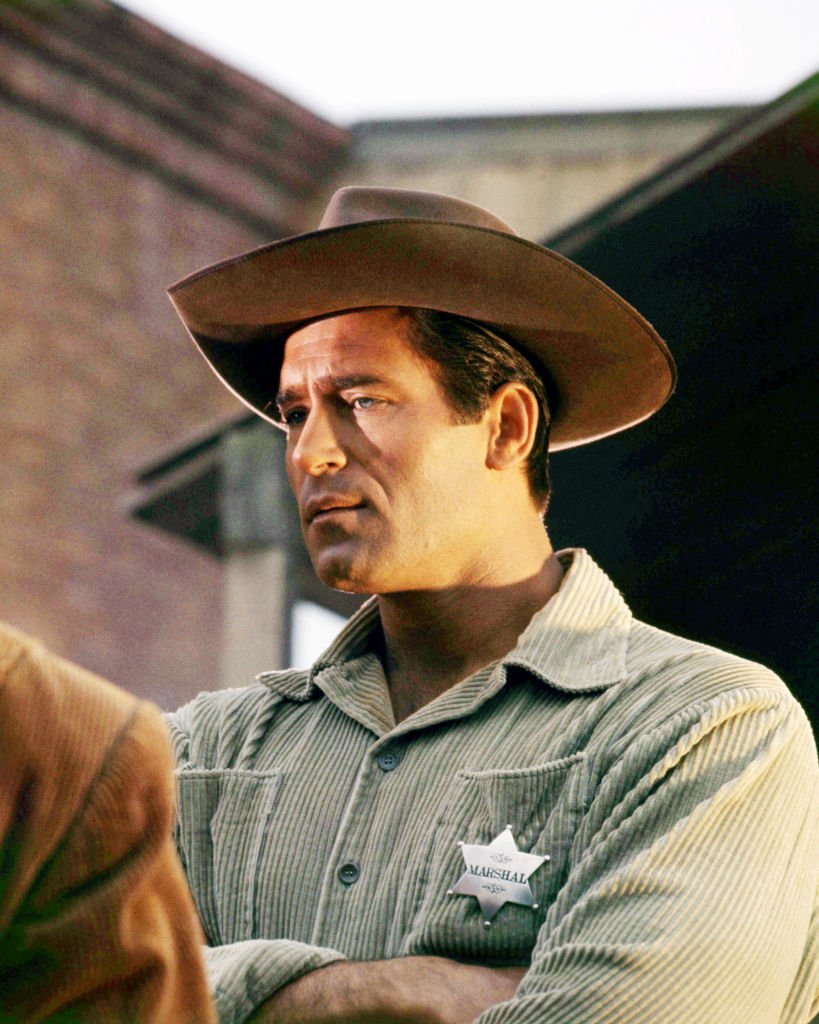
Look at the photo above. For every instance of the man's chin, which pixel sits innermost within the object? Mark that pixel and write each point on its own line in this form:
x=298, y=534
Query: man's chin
x=341, y=574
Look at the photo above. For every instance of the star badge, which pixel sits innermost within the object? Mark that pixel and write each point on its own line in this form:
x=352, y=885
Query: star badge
x=497, y=874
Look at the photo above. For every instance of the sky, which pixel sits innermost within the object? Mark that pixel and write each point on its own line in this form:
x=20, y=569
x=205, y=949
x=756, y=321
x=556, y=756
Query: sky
x=352, y=60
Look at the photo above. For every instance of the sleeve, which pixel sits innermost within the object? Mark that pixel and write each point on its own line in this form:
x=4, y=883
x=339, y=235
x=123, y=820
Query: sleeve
x=692, y=888
x=96, y=921
x=241, y=975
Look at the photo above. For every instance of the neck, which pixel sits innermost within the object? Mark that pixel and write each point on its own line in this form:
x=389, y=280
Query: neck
x=433, y=639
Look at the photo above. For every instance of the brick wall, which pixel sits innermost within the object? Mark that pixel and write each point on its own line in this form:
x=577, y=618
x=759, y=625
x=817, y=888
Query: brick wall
x=96, y=377
x=96, y=373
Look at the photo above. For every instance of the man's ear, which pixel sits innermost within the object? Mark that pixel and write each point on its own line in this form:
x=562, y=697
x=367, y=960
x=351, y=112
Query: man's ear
x=512, y=418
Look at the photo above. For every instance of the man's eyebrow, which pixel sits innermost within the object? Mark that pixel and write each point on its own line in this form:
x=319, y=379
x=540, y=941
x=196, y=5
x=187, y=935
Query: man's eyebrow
x=355, y=380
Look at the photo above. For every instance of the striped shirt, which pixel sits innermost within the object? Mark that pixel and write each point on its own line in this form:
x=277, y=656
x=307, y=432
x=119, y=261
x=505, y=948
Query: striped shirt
x=672, y=787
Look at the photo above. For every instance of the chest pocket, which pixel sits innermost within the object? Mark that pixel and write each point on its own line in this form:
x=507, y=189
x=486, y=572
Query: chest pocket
x=543, y=804
x=223, y=820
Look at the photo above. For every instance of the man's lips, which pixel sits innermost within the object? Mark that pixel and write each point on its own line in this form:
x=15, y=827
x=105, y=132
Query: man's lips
x=320, y=508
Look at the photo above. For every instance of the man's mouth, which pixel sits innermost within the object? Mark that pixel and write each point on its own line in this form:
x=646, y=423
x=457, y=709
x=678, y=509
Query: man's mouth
x=319, y=509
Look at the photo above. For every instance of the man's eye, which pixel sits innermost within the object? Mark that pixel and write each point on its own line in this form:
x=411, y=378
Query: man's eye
x=363, y=402
x=293, y=417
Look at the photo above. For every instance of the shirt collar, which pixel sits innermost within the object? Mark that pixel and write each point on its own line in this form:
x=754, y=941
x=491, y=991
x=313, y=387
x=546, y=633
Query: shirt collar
x=351, y=643
x=577, y=642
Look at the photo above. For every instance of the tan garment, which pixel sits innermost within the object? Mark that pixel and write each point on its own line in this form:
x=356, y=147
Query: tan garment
x=673, y=787
x=96, y=923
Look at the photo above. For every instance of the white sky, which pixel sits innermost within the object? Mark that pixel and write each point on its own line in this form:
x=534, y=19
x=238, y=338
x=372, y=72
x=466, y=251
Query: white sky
x=349, y=60
x=314, y=629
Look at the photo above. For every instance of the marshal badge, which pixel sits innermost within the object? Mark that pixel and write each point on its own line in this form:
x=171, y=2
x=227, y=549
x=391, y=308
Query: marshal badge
x=496, y=874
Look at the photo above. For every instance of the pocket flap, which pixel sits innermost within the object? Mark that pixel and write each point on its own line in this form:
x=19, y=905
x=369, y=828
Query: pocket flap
x=526, y=798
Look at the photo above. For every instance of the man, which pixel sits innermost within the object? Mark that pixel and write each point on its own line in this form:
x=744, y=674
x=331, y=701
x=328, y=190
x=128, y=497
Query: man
x=496, y=796
x=96, y=924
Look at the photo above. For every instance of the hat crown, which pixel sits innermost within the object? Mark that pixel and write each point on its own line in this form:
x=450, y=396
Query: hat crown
x=397, y=247
x=356, y=204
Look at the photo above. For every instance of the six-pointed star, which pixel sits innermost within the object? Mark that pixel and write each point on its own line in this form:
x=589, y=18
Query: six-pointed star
x=497, y=874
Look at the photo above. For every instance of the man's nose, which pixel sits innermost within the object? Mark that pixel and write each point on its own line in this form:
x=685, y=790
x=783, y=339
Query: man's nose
x=317, y=449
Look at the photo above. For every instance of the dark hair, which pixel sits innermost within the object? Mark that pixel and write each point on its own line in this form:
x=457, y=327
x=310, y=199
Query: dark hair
x=472, y=362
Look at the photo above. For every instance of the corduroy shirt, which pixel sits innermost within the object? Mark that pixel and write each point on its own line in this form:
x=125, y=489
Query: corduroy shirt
x=673, y=788
x=96, y=922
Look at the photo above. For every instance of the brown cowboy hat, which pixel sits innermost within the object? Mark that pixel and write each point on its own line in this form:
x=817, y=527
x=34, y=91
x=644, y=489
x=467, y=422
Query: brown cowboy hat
x=392, y=247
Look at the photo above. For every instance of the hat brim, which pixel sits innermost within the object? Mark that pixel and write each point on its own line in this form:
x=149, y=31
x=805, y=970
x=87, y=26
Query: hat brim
x=609, y=366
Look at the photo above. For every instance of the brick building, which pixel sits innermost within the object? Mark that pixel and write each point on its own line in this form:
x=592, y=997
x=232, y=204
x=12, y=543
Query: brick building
x=126, y=159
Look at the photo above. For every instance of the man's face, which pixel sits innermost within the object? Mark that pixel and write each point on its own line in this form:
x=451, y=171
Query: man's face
x=392, y=491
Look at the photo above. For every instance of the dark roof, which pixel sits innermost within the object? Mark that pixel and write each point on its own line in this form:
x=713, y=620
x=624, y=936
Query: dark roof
x=773, y=134
x=703, y=515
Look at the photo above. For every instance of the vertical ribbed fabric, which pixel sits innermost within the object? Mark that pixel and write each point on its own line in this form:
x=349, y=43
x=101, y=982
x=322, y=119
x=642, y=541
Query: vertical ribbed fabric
x=96, y=922
x=672, y=786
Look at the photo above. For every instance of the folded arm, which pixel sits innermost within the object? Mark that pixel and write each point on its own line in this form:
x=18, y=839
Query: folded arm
x=408, y=990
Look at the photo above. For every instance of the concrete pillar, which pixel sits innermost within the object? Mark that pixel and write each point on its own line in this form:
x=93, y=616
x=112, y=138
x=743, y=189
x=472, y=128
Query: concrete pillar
x=256, y=620
x=260, y=540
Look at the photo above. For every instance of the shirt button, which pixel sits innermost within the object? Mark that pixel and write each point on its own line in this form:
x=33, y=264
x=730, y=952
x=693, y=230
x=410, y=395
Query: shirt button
x=388, y=760
x=349, y=873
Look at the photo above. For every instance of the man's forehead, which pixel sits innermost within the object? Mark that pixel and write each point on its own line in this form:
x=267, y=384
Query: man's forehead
x=369, y=342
